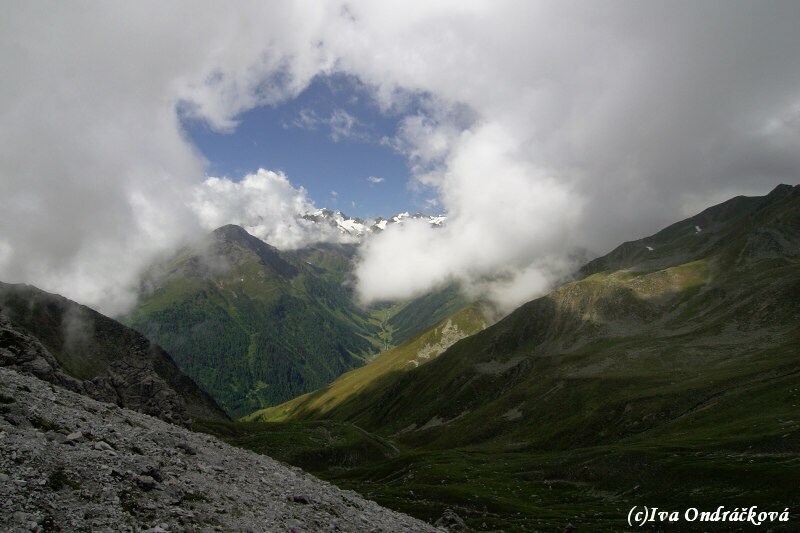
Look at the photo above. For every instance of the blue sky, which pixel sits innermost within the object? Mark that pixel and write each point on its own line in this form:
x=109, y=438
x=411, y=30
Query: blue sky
x=327, y=140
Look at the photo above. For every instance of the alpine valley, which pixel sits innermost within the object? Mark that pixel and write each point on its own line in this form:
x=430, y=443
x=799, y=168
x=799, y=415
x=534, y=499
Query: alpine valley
x=664, y=372
x=256, y=326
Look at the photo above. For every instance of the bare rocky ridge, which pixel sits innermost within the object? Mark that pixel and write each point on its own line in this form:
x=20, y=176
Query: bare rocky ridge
x=71, y=463
x=70, y=345
x=130, y=383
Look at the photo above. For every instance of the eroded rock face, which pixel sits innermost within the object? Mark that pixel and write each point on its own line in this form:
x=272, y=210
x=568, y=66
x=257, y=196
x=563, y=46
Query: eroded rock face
x=135, y=384
x=71, y=345
x=132, y=384
x=70, y=463
x=451, y=522
x=25, y=353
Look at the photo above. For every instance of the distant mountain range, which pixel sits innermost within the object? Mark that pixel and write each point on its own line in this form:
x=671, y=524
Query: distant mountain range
x=358, y=228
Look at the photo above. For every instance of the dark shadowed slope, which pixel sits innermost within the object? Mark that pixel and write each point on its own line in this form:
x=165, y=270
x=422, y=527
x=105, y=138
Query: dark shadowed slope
x=710, y=308
x=424, y=311
x=71, y=345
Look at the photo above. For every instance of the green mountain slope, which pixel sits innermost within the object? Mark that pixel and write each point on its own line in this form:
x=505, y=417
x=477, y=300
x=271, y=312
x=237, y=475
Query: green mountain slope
x=332, y=260
x=71, y=345
x=713, y=302
x=251, y=324
x=668, y=375
x=340, y=394
x=400, y=320
x=424, y=311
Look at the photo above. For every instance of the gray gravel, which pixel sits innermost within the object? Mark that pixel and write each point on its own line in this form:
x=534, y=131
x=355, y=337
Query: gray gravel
x=70, y=463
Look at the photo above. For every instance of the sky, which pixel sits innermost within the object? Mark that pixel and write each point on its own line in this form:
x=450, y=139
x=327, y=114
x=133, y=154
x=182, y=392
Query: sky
x=541, y=128
x=332, y=139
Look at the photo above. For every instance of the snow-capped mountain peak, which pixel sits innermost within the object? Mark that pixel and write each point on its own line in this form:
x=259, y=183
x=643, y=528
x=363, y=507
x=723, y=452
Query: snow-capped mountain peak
x=358, y=228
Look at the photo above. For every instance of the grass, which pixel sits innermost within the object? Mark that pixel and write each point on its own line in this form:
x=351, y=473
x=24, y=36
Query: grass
x=496, y=489
x=43, y=424
x=58, y=479
x=310, y=445
x=411, y=354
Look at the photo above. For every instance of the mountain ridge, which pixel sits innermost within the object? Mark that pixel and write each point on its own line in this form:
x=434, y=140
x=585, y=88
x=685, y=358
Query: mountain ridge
x=705, y=222
x=419, y=350
x=614, y=304
x=73, y=346
x=251, y=323
x=256, y=325
x=359, y=228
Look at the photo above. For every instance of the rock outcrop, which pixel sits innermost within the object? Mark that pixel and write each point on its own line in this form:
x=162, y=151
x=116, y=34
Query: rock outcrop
x=72, y=346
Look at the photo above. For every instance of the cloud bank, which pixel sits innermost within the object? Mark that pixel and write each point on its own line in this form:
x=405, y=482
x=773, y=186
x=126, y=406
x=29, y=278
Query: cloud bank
x=539, y=127
x=586, y=126
x=266, y=204
x=96, y=174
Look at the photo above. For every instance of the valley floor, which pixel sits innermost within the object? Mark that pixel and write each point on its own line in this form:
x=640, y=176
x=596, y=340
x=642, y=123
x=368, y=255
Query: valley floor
x=503, y=489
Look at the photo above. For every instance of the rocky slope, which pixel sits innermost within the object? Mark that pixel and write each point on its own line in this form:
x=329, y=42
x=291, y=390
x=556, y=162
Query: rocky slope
x=68, y=344
x=70, y=463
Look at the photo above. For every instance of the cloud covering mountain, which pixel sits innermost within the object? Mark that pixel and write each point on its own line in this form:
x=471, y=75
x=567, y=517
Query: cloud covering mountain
x=541, y=127
x=265, y=203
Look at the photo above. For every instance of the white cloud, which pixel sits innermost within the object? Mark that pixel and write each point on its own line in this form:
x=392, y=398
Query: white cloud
x=266, y=204
x=584, y=127
x=6, y=251
x=306, y=119
x=431, y=203
x=539, y=126
x=95, y=172
x=494, y=229
x=375, y=180
x=340, y=124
